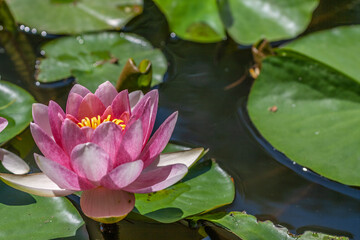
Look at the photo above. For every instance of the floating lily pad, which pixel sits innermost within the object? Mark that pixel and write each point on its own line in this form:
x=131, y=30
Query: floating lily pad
x=310, y=113
x=197, y=21
x=25, y=216
x=15, y=106
x=205, y=187
x=248, y=21
x=338, y=48
x=248, y=228
x=74, y=16
x=95, y=58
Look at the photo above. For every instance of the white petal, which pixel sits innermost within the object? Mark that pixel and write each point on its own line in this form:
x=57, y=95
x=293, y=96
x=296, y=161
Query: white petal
x=187, y=157
x=36, y=183
x=13, y=163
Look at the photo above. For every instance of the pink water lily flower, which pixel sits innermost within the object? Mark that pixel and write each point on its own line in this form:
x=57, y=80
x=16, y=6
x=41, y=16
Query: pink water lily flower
x=101, y=145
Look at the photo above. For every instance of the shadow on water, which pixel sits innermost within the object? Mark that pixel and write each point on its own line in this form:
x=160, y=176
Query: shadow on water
x=13, y=197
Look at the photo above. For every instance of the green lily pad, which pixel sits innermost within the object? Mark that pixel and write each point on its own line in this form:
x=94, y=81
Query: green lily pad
x=25, y=216
x=310, y=113
x=204, y=188
x=248, y=21
x=15, y=106
x=95, y=58
x=74, y=16
x=197, y=21
x=338, y=48
x=248, y=228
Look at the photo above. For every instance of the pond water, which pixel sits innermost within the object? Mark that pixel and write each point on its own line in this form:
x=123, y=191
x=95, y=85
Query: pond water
x=212, y=115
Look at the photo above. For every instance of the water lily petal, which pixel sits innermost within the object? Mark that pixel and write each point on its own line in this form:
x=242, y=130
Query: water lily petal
x=88, y=131
x=41, y=117
x=146, y=110
x=3, y=123
x=108, y=136
x=123, y=175
x=106, y=92
x=60, y=175
x=121, y=104
x=159, y=140
x=106, y=205
x=56, y=117
x=79, y=89
x=72, y=136
x=187, y=157
x=48, y=147
x=154, y=179
x=108, y=111
x=37, y=183
x=73, y=103
x=91, y=106
x=149, y=115
x=134, y=98
x=131, y=144
x=13, y=163
x=90, y=161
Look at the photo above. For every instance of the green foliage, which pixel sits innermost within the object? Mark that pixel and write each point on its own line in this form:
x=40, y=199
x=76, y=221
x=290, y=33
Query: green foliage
x=205, y=187
x=95, y=58
x=74, y=16
x=246, y=21
x=248, y=228
x=338, y=48
x=197, y=21
x=25, y=216
x=310, y=113
x=15, y=106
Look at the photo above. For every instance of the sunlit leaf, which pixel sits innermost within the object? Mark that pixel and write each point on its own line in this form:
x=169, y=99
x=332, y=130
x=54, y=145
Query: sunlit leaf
x=248, y=21
x=74, y=16
x=95, y=58
x=310, y=113
x=197, y=21
x=338, y=48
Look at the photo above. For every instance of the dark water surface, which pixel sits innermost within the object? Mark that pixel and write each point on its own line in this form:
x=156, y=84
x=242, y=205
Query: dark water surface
x=211, y=115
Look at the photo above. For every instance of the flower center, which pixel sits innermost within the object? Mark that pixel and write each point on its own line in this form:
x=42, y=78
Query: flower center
x=94, y=122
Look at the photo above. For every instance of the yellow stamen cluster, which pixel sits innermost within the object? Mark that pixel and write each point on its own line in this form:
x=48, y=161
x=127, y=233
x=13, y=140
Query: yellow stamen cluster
x=94, y=122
